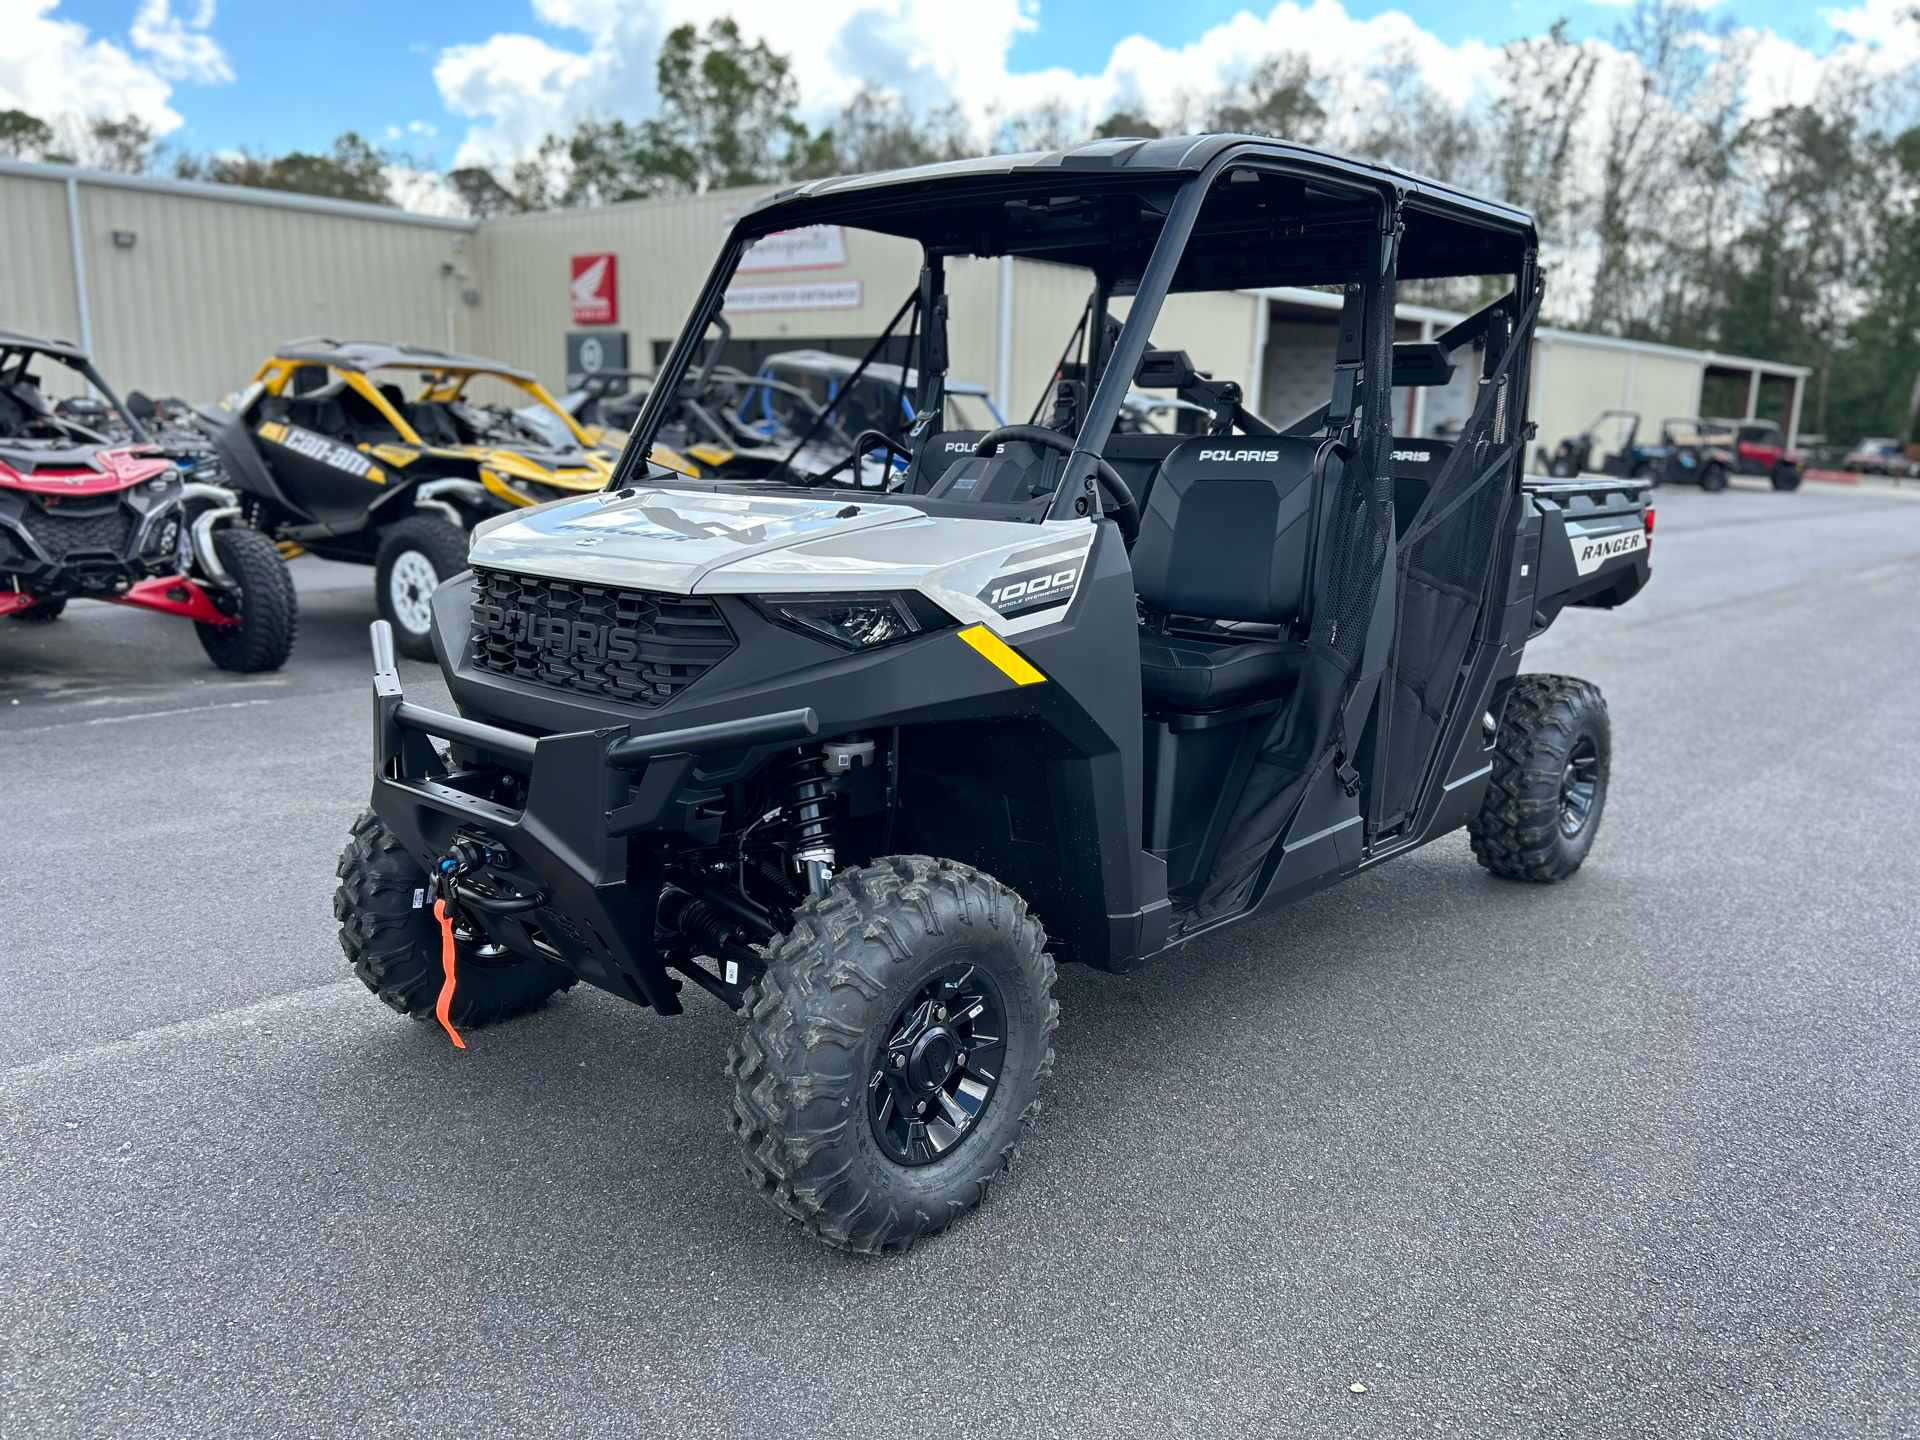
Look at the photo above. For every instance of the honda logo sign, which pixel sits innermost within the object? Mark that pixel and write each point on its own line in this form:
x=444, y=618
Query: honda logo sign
x=592, y=290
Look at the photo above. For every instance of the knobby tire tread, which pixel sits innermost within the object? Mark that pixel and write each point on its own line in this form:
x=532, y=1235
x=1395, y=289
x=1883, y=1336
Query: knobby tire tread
x=269, y=609
x=799, y=1087
x=1517, y=832
x=395, y=949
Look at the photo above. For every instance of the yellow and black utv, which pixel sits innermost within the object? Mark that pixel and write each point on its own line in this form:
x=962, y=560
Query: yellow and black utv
x=387, y=455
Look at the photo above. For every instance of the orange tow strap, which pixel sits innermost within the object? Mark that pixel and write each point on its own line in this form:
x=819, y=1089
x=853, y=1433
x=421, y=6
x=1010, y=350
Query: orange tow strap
x=445, y=1005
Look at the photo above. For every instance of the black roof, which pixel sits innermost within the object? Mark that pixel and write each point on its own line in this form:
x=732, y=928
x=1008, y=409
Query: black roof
x=65, y=349
x=989, y=205
x=365, y=355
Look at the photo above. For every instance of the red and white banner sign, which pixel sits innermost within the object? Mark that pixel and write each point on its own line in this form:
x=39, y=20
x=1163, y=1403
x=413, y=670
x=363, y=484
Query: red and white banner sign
x=595, y=299
x=817, y=247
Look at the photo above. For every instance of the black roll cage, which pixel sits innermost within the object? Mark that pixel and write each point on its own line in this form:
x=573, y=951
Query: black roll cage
x=1112, y=371
x=17, y=355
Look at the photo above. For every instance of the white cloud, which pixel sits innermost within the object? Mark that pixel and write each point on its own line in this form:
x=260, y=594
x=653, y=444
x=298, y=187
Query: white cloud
x=53, y=68
x=179, y=47
x=519, y=87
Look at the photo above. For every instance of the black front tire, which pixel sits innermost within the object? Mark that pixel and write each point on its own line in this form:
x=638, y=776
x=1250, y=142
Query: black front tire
x=1713, y=478
x=394, y=947
x=416, y=554
x=1786, y=477
x=807, y=1067
x=268, y=609
x=39, y=613
x=1551, y=765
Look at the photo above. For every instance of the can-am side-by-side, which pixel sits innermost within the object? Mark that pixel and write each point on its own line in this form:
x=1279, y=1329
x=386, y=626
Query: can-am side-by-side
x=865, y=764
x=331, y=455
x=92, y=516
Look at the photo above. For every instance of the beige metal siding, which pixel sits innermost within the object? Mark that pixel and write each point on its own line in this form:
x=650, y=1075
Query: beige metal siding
x=1572, y=383
x=36, y=278
x=209, y=287
x=1665, y=386
x=1219, y=330
x=664, y=250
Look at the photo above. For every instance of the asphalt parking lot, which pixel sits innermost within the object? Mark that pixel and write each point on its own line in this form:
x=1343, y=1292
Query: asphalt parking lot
x=1636, y=1155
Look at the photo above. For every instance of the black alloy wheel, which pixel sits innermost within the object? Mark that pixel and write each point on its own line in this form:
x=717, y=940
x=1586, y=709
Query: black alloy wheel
x=1548, y=791
x=1579, y=784
x=939, y=1069
x=913, y=982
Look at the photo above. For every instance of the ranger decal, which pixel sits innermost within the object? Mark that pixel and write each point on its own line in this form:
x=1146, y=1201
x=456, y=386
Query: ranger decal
x=1590, y=552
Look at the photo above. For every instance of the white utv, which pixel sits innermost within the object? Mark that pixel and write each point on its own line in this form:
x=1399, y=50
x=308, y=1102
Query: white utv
x=864, y=766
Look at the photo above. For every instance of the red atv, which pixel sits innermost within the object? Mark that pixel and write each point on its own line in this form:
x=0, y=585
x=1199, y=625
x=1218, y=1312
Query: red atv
x=1761, y=449
x=83, y=516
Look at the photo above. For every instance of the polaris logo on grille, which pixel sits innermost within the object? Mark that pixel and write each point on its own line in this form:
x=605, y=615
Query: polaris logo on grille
x=562, y=637
x=1240, y=455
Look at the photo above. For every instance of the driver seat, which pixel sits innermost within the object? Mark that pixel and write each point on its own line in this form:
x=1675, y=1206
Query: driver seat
x=1221, y=563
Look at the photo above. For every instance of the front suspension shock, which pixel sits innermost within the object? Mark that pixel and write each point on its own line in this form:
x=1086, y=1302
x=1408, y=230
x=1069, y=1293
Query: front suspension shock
x=811, y=797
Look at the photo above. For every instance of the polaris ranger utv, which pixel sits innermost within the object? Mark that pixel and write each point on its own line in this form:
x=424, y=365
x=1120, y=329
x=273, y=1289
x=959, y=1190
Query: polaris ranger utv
x=865, y=765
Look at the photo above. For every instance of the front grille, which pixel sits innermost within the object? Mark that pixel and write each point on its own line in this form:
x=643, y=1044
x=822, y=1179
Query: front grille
x=633, y=646
x=62, y=535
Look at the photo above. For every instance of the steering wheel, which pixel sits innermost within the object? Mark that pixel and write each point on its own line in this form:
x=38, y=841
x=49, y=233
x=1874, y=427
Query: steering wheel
x=1121, y=504
x=863, y=444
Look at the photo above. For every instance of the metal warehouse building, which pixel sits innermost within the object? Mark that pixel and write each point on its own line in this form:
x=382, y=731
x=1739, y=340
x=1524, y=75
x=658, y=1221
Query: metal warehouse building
x=182, y=288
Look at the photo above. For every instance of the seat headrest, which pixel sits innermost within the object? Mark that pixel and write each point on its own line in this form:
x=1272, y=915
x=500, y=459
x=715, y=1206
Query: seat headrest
x=1224, y=535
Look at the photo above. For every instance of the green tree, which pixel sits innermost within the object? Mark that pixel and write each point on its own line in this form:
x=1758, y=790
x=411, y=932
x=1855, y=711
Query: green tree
x=125, y=144
x=1127, y=123
x=1282, y=96
x=876, y=131
x=483, y=195
x=726, y=112
x=24, y=136
x=353, y=170
x=1545, y=85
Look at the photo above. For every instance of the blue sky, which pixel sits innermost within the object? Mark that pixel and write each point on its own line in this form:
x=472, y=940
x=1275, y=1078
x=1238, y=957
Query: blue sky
x=302, y=75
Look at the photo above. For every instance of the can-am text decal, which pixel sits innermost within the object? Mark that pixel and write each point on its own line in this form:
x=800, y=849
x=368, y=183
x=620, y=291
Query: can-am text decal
x=327, y=452
x=1590, y=552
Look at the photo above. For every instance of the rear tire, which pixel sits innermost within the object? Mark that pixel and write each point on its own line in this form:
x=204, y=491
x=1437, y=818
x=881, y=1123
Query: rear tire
x=39, y=613
x=1786, y=477
x=395, y=948
x=1551, y=764
x=268, y=608
x=865, y=974
x=416, y=555
x=1713, y=478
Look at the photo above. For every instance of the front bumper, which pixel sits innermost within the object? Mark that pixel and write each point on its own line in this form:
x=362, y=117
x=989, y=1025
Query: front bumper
x=557, y=881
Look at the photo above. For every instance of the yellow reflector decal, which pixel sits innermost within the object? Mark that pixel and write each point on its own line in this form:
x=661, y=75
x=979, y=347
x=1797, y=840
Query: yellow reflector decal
x=1008, y=660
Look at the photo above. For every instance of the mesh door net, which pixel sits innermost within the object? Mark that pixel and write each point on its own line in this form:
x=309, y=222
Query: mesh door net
x=1359, y=526
x=1443, y=562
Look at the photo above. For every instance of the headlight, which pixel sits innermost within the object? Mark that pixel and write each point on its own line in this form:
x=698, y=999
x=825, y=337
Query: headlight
x=856, y=622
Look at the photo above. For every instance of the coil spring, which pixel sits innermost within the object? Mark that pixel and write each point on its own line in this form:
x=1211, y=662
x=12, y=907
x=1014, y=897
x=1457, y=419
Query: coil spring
x=810, y=794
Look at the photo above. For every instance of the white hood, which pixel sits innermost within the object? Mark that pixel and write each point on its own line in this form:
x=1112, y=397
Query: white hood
x=658, y=539
x=693, y=542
